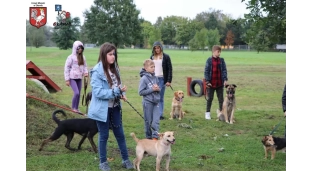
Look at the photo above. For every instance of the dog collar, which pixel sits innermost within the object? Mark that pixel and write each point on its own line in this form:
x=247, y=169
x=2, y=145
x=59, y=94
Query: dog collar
x=177, y=99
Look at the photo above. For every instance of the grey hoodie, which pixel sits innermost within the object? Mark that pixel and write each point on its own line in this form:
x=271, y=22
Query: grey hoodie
x=146, y=87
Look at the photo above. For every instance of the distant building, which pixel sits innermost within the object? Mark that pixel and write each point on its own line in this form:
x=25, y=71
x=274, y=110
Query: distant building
x=281, y=47
x=89, y=45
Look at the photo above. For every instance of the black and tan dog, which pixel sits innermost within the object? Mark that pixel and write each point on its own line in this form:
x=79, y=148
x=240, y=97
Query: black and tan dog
x=87, y=128
x=176, y=105
x=273, y=144
x=229, y=104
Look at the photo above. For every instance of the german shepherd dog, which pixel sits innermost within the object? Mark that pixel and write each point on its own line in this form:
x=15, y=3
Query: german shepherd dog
x=229, y=104
x=273, y=144
x=87, y=128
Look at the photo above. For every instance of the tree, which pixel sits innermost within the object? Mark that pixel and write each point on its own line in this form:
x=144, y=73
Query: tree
x=155, y=35
x=212, y=22
x=66, y=33
x=193, y=44
x=260, y=42
x=269, y=13
x=214, y=19
x=158, y=22
x=168, y=29
x=186, y=30
x=236, y=26
x=213, y=38
x=115, y=21
x=34, y=37
x=83, y=36
x=147, y=30
x=229, y=40
x=201, y=38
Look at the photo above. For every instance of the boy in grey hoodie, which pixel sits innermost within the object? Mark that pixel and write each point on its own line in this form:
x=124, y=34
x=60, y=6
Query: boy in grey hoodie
x=149, y=89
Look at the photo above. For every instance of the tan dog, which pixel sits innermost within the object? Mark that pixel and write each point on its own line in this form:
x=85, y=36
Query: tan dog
x=176, y=105
x=273, y=144
x=158, y=148
x=228, y=107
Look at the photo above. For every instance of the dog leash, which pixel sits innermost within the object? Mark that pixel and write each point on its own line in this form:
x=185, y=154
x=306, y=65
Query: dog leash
x=277, y=126
x=141, y=116
x=29, y=96
x=171, y=88
x=84, y=96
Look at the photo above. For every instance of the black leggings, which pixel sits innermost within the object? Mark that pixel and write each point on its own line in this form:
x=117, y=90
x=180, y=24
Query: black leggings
x=211, y=91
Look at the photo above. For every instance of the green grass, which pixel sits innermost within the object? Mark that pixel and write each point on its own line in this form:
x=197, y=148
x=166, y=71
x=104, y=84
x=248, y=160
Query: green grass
x=260, y=79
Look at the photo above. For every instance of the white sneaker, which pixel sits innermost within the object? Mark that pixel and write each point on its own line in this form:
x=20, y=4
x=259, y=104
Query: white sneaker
x=207, y=115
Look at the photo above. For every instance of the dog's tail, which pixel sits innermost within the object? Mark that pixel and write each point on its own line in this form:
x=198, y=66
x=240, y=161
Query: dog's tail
x=134, y=137
x=54, y=115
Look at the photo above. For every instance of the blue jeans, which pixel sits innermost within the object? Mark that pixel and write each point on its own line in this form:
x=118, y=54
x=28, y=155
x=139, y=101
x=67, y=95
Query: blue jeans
x=114, y=119
x=162, y=85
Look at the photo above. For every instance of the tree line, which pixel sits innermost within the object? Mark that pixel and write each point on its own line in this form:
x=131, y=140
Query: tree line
x=118, y=22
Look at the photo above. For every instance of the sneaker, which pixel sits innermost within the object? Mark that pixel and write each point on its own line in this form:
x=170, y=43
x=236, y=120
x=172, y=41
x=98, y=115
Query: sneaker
x=127, y=164
x=207, y=115
x=155, y=139
x=104, y=166
x=161, y=118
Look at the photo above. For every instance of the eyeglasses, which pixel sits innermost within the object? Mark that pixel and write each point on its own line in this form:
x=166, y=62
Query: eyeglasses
x=80, y=47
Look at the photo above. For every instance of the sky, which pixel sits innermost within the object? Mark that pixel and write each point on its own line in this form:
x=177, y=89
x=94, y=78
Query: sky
x=150, y=10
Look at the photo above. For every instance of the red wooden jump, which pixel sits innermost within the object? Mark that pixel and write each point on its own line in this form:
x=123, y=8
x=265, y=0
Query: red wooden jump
x=38, y=74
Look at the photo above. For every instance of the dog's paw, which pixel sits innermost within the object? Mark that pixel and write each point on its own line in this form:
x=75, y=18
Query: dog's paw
x=231, y=122
x=179, y=118
x=170, y=118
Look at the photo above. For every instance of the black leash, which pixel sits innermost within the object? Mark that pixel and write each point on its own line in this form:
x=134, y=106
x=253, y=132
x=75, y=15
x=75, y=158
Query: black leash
x=171, y=88
x=141, y=116
x=85, y=83
x=277, y=126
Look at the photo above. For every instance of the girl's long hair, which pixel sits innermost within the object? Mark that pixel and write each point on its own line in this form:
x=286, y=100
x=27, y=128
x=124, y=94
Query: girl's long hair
x=104, y=50
x=80, y=59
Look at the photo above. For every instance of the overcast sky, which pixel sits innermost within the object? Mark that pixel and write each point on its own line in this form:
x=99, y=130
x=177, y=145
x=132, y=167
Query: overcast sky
x=150, y=9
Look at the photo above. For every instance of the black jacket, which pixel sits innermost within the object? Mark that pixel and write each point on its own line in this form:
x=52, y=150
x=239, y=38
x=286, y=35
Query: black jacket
x=167, y=67
x=284, y=99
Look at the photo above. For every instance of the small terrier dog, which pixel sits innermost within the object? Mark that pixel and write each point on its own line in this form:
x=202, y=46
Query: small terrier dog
x=273, y=144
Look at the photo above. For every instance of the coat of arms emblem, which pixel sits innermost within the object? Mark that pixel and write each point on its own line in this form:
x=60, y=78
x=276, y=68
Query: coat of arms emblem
x=37, y=16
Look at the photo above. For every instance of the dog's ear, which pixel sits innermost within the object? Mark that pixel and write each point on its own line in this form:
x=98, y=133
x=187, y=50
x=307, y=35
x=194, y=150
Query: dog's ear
x=264, y=139
x=226, y=86
x=161, y=135
x=234, y=85
x=176, y=93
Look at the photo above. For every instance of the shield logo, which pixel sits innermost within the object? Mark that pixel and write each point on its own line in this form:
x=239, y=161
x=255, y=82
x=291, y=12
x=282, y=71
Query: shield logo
x=37, y=16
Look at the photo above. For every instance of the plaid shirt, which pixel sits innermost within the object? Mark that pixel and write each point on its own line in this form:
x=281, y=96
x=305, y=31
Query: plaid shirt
x=216, y=73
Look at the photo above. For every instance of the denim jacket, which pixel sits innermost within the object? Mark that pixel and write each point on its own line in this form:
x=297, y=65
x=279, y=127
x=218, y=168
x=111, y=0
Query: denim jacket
x=101, y=93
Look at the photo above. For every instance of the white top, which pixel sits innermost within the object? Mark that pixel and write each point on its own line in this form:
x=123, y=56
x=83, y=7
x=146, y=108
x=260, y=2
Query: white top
x=158, y=68
x=115, y=84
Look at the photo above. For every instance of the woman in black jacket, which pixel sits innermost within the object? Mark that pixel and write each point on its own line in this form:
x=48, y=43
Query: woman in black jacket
x=284, y=104
x=163, y=70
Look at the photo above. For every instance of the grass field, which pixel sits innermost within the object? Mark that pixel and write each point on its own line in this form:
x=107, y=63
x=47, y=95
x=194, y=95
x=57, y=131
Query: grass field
x=260, y=79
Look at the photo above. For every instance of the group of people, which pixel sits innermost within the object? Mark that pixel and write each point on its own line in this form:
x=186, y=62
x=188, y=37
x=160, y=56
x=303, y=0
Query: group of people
x=107, y=90
x=155, y=76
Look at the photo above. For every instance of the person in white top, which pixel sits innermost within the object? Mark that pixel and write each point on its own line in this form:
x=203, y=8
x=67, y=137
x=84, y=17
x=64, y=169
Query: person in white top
x=163, y=71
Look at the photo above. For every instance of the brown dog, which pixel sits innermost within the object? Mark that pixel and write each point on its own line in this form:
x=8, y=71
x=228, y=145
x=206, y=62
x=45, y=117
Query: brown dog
x=229, y=104
x=158, y=148
x=273, y=144
x=176, y=105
